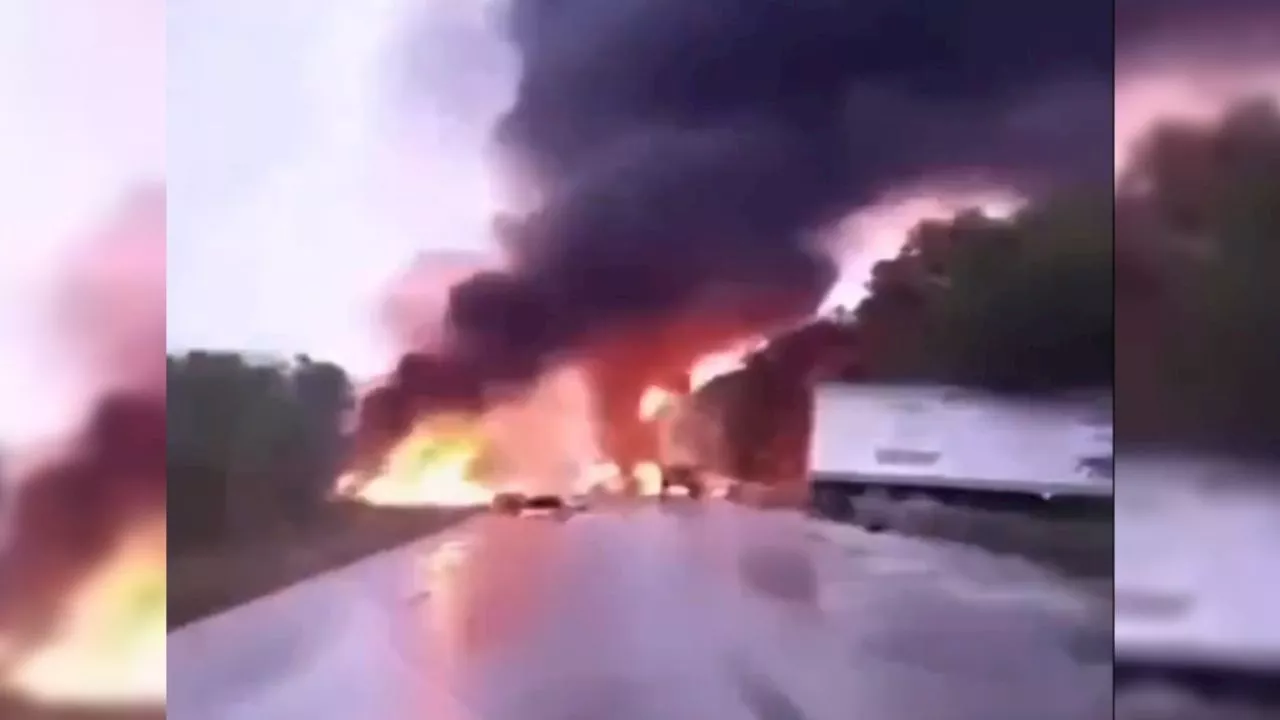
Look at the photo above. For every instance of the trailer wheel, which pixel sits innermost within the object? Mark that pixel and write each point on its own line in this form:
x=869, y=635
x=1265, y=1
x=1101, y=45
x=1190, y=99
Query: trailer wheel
x=877, y=510
x=832, y=503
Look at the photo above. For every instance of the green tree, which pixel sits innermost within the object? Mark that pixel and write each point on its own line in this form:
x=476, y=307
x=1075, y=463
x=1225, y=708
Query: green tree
x=1202, y=211
x=1023, y=304
x=1027, y=305
x=253, y=447
x=1017, y=305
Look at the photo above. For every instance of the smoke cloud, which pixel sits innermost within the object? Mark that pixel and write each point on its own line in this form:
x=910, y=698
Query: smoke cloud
x=691, y=158
x=75, y=504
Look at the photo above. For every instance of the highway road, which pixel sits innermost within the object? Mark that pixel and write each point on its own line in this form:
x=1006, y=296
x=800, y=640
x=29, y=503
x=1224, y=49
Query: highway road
x=703, y=612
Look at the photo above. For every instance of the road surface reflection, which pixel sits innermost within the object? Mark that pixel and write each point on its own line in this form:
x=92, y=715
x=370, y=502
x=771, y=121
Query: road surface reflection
x=693, y=612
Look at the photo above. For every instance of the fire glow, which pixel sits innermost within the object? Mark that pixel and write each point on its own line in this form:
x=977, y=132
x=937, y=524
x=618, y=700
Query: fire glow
x=109, y=646
x=85, y=539
x=440, y=464
x=654, y=402
x=433, y=466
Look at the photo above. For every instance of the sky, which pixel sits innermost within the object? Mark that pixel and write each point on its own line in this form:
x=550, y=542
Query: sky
x=81, y=122
x=303, y=181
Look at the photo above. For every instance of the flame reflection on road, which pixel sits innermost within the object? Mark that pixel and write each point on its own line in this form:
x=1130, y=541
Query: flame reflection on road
x=648, y=612
x=687, y=614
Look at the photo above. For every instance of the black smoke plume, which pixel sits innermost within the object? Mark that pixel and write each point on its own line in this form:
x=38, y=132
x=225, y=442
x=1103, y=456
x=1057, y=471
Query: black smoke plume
x=691, y=153
x=106, y=479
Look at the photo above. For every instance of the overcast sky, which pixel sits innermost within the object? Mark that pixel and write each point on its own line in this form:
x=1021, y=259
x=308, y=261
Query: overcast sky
x=302, y=181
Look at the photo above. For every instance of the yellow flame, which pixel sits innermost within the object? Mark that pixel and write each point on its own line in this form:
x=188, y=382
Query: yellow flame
x=603, y=474
x=433, y=466
x=713, y=365
x=654, y=401
x=649, y=475
x=607, y=476
x=109, y=646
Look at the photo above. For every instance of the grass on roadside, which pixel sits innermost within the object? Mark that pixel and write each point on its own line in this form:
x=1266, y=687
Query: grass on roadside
x=212, y=580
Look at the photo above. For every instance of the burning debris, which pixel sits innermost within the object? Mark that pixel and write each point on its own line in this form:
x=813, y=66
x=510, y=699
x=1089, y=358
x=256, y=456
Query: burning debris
x=475, y=459
x=436, y=464
x=82, y=611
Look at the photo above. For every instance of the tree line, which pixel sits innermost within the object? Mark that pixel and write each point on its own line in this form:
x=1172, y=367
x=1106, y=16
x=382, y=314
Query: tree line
x=1159, y=287
x=1198, y=322
x=252, y=446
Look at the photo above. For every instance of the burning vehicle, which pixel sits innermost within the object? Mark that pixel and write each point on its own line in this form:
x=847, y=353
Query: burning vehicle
x=708, y=431
x=546, y=452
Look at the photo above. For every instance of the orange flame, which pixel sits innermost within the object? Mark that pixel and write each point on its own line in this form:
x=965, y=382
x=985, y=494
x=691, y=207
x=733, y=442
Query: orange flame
x=713, y=365
x=109, y=647
x=654, y=402
x=436, y=464
x=433, y=466
x=607, y=476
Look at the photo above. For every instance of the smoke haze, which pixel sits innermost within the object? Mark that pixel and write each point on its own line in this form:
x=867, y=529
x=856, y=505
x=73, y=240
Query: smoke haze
x=692, y=159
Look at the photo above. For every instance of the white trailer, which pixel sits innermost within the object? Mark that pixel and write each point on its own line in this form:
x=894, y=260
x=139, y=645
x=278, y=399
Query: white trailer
x=1196, y=583
x=959, y=446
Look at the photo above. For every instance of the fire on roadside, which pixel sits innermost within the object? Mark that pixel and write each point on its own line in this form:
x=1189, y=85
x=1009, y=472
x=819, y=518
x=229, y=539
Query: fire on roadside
x=433, y=469
x=437, y=465
x=654, y=402
x=607, y=477
x=108, y=648
x=433, y=466
x=646, y=476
